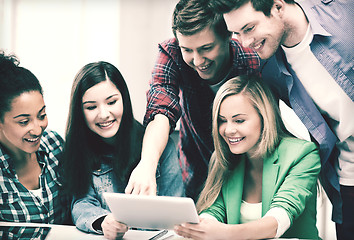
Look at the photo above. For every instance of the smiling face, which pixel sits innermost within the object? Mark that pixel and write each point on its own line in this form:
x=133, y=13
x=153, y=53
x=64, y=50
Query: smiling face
x=103, y=109
x=254, y=29
x=239, y=124
x=23, y=126
x=206, y=53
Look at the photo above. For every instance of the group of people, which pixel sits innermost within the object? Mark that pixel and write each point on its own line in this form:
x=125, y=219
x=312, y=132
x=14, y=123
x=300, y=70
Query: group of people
x=249, y=176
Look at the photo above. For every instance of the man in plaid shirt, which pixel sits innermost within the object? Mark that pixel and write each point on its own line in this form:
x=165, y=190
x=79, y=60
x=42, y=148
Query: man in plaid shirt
x=189, y=70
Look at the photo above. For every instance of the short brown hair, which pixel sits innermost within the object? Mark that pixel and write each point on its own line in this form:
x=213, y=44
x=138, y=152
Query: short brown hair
x=192, y=16
x=225, y=6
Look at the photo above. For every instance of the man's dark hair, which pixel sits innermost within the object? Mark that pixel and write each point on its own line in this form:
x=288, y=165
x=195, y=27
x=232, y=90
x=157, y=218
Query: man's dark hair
x=193, y=16
x=225, y=6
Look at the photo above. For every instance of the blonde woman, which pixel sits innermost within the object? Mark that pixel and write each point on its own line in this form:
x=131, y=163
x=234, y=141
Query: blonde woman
x=261, y=181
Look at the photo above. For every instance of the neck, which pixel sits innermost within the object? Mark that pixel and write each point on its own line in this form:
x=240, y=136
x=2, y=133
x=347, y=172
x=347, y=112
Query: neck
x=295, y=24
x=224, y=71
x=22, y=161
x=255, y=163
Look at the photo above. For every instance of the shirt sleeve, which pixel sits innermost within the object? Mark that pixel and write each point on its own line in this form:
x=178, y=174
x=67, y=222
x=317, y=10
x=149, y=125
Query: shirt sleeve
x=163, y=95
x=86, y=210
x=300, y=181
x=282, y=219
x=217, y=210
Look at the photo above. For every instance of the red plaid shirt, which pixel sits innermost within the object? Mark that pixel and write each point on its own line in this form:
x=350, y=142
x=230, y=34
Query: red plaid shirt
x=178, y=92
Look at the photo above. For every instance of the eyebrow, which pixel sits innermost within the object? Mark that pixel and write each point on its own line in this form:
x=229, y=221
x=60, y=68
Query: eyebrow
x=205, y=45
x=236, y=115
x=27, y=115
x=245, y=26
x=86, y=102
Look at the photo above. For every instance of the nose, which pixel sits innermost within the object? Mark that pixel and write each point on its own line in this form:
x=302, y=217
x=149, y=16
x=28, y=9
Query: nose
x=230, y=129
x=245, y=40
x=197, y=59
x=103, y=112
x=37, y=128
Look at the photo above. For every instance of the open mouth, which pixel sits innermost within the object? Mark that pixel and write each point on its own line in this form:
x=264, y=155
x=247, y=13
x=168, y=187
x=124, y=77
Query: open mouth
x=258, y=45
x=235, y=140
x=205, y=67
x=32, y=140
x=106, y=124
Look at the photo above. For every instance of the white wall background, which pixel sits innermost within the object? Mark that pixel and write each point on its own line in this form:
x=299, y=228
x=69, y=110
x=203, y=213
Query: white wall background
x=55, y=38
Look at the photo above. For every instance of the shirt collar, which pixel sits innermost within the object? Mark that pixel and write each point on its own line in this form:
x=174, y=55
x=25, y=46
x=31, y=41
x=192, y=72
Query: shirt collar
x=309, y=11
x=5, y=159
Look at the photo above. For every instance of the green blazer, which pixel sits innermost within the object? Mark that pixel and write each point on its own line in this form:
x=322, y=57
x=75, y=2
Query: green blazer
x=289, y=181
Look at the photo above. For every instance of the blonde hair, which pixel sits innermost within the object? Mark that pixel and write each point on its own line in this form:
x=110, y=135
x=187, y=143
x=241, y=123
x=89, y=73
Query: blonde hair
x=273, y=130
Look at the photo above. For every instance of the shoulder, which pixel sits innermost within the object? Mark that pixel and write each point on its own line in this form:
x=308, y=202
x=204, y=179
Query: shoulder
x=243, y=55
x=170, y=46
x=327, y=13
x=51, y=141
x=52, y=147
x=239, y=50
x=294, y=148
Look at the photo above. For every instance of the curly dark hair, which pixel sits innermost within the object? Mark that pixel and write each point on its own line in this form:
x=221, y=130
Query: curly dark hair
x=14, y=80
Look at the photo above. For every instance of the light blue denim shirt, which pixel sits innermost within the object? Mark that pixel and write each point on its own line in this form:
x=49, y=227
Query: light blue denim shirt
x=86, y=210
x=333, y=46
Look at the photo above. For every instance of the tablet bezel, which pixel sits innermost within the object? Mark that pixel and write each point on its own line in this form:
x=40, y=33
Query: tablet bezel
x=151, y=212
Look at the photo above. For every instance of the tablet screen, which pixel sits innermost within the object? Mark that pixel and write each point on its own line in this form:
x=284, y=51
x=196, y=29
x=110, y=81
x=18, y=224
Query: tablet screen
x=151, y=212
x=25, y=232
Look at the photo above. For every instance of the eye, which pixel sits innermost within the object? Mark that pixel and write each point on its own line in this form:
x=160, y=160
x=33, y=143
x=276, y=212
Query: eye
x=239, y=121
x=187, y=50
x=23, y=122
x=42, y=116
x=206, y=49
x=90, y=107
x=112, y=102
x=221, y=120
x=249, y=29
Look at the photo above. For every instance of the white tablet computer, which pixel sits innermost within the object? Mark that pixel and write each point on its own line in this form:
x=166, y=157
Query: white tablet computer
x=151, y=212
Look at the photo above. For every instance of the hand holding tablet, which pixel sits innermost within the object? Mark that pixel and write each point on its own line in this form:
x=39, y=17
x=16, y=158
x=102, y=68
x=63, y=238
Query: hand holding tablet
x=151, y=212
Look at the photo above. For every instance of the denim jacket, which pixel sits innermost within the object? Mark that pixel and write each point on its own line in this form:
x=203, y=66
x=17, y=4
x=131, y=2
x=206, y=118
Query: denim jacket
x=86, y=210
x=332, y=45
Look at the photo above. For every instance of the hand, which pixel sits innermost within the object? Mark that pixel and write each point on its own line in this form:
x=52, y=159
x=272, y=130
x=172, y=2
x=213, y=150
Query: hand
x=142, y=181
x=112, y=229
x=207, y=229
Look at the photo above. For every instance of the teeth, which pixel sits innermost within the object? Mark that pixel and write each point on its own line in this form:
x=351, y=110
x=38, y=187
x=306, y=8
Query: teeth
x=235, y=140
x=205, y=67
x=105, y=124
x=256, y=47
x=32, y=139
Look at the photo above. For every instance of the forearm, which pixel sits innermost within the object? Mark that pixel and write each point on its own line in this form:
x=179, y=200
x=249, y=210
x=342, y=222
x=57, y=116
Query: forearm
x=263, y=228
x=155, y=140
x=85, y=213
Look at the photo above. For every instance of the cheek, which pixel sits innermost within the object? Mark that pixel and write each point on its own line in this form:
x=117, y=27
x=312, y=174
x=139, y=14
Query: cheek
x=45, y=123
x=187, y=58
x=119, y=110
x=218, y=54
x=221, y=129
x=89, y=117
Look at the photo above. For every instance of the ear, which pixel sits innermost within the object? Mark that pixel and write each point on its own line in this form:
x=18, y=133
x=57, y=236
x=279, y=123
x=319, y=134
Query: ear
x=278, y=7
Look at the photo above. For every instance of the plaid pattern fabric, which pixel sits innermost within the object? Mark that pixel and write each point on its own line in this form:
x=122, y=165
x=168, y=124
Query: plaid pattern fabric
x=177, y=91
x=28, y=233
x=17, y=204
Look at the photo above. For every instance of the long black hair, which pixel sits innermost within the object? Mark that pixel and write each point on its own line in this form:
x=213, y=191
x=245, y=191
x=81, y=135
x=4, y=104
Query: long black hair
x=83, y=148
